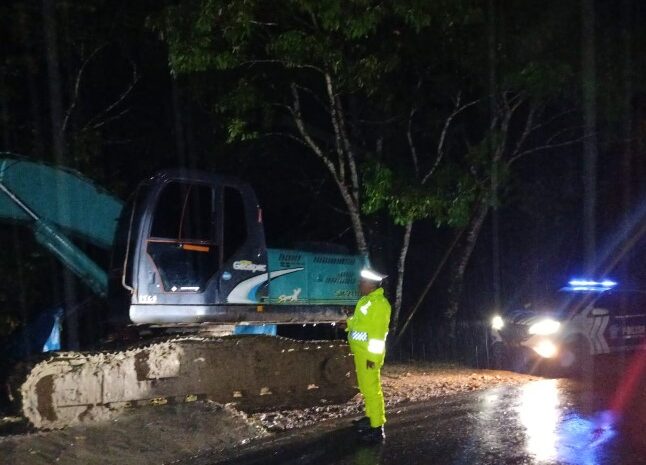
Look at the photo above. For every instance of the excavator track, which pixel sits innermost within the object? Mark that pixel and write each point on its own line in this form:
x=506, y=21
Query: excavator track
x=255, y=372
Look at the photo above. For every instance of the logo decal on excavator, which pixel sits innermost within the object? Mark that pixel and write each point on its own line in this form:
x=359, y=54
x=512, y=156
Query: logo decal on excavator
x=245, y=291
x=293, y=297
x=248, y=265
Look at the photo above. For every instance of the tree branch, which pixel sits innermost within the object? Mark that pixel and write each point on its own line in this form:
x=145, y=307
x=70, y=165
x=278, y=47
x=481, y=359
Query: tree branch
x=300, y=125
x=411, y=143
x=551, y=120
x=511, y=105
x=287, y=135
x=334, y=117
x=93, y=122
x=441, y=143
x=353, y=207
x=315, y=97
x=401, y=269
x=545, y=147
x=348, y=150
x=77, y=88
x=429, y=284
x=111, y=118
x=284, y=63
x=527, y=130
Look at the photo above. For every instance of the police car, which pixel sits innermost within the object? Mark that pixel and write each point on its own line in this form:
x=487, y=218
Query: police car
x=586, y=318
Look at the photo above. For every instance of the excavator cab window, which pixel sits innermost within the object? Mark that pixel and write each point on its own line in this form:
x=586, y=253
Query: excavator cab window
x=182, y=241
x=235, y=225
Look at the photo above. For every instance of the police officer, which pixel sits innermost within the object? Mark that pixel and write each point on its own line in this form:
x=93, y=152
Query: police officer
x=367, y=330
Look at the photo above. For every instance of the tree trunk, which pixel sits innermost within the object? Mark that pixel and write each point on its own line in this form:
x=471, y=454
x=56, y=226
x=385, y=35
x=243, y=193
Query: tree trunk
x=589, y=94
x=355, y=219
x=627, y=159
x=55, y=82
x=54, y=79
x=627, y=164
x=401, y=268
x=493, y=92
x=4, y=118
x=460, y=266
x=429, y=285
x=35, y=104
x=349, y=193
x=178, y=126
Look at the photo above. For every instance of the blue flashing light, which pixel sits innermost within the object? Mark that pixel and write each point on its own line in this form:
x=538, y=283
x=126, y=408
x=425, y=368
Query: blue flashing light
x=590, y=285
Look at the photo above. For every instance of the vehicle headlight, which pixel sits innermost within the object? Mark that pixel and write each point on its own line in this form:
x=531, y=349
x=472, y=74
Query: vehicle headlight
x=545, y=327
x=546, y=349
x=497, y=322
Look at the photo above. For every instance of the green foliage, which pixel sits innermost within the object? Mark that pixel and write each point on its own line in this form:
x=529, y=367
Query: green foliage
x=235, y=108
x=363, y=45
x=237, y=131
x=384, y=58
x=356, y=41
x=540, y=79
x=448, y=201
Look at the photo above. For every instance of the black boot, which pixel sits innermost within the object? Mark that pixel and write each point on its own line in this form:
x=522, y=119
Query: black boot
x=374, y=435
x=361, y=424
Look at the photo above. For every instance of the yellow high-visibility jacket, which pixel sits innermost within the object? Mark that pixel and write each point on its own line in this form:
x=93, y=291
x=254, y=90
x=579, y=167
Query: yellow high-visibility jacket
x=368, y=326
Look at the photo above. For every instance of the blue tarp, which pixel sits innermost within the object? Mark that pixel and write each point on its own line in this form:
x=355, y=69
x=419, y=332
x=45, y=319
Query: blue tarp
x=40, y=335
x=53, y=342
x=270, y=330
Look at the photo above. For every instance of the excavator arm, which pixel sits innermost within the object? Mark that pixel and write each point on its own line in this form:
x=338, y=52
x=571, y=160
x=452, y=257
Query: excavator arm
x=58, y=204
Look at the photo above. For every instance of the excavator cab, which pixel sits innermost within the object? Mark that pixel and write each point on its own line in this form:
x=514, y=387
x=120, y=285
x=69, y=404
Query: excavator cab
x=195, y=244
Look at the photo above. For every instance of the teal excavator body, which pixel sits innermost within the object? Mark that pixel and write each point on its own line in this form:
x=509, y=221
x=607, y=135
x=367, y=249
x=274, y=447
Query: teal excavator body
x=189, y=247
x=188, y=252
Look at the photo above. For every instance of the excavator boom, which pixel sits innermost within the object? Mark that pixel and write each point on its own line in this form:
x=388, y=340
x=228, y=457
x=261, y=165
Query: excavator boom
x=58, y=204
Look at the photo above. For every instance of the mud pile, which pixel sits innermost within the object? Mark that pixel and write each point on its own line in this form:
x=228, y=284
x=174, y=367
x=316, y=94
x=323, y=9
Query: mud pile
x=152, y=435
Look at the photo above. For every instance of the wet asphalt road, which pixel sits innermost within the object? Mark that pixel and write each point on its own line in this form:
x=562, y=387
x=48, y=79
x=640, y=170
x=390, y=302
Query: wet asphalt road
x=543, y=422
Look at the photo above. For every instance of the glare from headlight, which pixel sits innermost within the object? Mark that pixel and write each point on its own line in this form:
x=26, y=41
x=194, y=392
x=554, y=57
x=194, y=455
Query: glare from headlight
x=546, y=349
x=545, y=327
x=497, y=322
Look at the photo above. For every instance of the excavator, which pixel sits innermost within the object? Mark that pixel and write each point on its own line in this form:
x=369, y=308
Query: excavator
x=188, y=255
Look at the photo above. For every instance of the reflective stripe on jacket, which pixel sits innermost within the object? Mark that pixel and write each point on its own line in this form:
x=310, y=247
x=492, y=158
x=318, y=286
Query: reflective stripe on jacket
x=368, y=326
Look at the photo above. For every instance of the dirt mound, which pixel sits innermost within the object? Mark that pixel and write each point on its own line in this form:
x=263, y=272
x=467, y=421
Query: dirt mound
x=183, y=432
x=144, y=436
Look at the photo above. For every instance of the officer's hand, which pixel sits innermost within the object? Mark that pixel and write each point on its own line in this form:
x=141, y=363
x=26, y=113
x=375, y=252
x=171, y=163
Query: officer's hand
x=342, y=324
x=370, y=364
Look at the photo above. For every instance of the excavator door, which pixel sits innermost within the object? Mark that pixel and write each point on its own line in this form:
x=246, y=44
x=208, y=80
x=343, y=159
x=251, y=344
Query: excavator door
x=199, y=248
